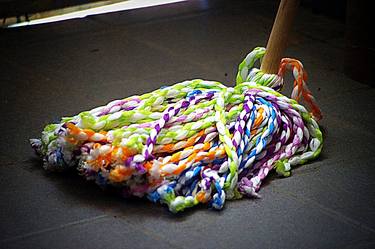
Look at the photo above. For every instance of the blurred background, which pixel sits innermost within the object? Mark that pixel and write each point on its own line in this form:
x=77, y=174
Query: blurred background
x=355, y=15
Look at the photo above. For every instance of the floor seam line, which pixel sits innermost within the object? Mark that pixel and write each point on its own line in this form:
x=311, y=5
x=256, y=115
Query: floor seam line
x=50, y=229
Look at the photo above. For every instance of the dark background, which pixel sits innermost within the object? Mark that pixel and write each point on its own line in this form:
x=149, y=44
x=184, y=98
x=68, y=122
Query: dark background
x=60, y=69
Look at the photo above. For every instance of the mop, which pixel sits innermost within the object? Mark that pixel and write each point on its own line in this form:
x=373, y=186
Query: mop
x=198, y=141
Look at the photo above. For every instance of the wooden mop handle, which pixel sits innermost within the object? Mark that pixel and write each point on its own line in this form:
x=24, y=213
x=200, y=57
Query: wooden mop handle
x=279, y=36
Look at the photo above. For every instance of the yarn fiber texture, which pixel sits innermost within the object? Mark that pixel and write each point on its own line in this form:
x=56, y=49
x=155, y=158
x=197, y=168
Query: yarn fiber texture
x=194, y=142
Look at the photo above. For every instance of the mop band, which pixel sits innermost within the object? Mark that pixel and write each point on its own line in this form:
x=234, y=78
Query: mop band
x=193, y=142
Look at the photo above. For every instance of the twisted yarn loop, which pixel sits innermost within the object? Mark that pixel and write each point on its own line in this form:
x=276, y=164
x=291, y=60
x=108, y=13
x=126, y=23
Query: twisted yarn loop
x=193, y=142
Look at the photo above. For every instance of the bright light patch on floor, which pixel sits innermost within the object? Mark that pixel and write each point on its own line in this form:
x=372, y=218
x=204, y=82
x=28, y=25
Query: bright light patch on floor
x=127, y=5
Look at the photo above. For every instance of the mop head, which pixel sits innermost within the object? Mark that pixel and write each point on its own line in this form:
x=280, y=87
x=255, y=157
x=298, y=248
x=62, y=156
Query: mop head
x=193, y=142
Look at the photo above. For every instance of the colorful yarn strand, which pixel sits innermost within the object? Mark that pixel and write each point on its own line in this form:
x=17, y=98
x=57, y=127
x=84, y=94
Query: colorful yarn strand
x=193, y=142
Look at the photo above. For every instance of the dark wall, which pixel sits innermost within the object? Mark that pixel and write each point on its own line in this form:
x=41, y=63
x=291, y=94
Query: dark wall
x=9, y=8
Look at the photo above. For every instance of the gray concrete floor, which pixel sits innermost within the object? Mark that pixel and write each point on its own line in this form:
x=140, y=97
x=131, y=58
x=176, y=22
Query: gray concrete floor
x=63, y=68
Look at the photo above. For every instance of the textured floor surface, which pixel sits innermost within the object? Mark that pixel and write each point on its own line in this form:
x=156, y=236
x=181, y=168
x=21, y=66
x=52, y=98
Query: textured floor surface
x=60, y=69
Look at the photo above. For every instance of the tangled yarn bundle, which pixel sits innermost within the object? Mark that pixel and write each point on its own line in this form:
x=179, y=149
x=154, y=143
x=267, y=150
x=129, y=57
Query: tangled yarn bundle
x=193, y=142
